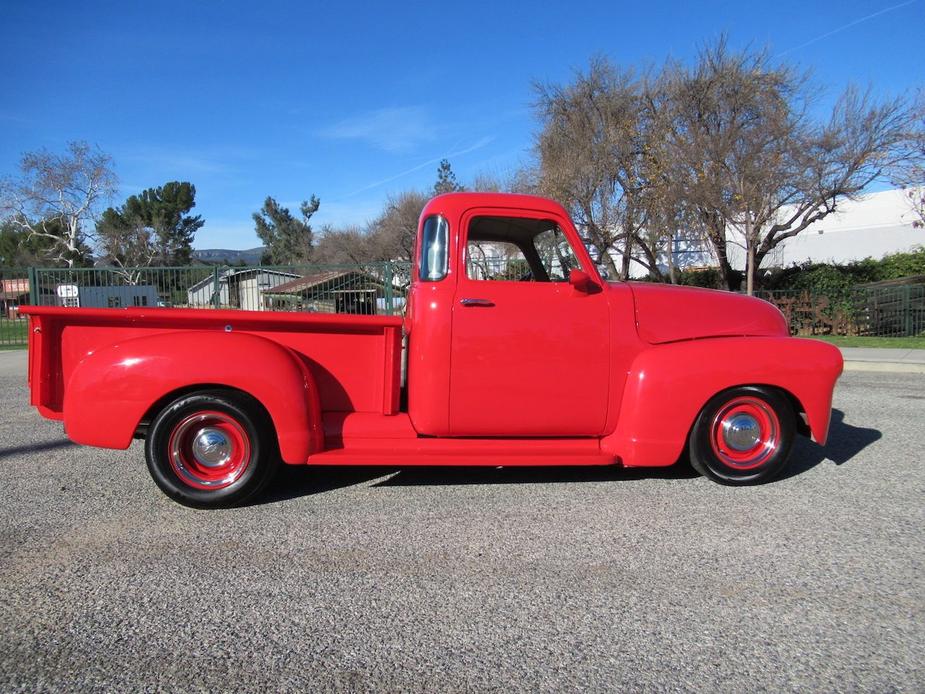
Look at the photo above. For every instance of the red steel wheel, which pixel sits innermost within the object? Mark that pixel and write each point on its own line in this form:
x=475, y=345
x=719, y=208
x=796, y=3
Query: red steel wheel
x=209, y=450
x=212, y=448
x=743, y=435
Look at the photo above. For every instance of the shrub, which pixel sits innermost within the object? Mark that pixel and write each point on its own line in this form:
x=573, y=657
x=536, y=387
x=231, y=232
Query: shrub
x=827, y=278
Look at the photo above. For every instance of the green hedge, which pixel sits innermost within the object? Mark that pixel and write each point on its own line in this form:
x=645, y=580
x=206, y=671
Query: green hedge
x=822, y=278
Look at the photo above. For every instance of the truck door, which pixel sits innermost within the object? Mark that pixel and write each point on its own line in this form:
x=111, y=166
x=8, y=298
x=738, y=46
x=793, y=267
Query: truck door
x=530, y=352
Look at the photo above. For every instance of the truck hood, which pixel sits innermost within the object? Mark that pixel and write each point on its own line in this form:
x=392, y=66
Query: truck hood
x=668, y=313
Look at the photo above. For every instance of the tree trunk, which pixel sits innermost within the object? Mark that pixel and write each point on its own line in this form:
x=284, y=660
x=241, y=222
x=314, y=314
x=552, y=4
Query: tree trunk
x=716, y=232
x=750, y=270
x=627, y=256
x=751, y=241
x=604, y=258
x=672, y=271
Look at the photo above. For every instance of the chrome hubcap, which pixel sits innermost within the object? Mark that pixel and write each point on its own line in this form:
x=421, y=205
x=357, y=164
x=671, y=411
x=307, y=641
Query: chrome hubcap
x=745, y=433
x=741, y=432
x=211, y=447
x=209, y=450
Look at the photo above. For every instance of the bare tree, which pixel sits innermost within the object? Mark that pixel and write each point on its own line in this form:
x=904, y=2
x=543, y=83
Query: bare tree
x=387, y=239
x=393, y=233
x=57, y=197
x=522, y=179
x=592, y=150
x=342, y=246
x=751, y=164
x=129, y=245
x=910, y=174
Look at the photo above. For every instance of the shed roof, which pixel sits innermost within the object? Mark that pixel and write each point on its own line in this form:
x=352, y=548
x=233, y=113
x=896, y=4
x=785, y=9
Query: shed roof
x=312, y=281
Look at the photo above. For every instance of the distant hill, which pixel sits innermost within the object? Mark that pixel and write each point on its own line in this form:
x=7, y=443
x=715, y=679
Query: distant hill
x=226, y=256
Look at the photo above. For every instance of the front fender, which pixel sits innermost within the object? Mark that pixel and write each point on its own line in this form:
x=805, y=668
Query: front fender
x=111, y=389
x=669, y=384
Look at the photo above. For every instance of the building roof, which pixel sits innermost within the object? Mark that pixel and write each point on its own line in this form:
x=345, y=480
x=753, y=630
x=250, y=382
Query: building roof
x=232, y=273
x=302, y=284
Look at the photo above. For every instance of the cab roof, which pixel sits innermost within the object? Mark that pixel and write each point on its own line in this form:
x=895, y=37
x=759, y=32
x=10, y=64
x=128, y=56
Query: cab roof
x=455, y=204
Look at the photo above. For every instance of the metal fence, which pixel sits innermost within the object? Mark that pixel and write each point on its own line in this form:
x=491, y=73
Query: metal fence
x=380, y=289
x=897, y=311
x=369, y=289
x=14, y=292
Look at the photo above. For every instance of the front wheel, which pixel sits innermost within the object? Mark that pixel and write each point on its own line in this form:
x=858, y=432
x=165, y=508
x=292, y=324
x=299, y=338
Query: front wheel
x=211, y=448
x=743, y=436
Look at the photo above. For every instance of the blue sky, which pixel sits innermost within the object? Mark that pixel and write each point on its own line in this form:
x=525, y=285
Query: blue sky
x=354, y=101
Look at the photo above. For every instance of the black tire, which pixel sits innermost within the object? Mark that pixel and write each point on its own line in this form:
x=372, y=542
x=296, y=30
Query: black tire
x=720, y=438
x=212, y=449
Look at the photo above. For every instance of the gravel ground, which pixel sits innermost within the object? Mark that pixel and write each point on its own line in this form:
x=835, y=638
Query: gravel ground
x=452, y=580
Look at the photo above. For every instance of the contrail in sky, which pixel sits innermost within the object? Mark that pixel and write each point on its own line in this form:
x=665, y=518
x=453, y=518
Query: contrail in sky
x=478, y=145
x=846, y=26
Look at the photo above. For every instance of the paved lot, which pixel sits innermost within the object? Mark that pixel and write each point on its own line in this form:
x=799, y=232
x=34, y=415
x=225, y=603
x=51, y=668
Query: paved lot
x=471, y=580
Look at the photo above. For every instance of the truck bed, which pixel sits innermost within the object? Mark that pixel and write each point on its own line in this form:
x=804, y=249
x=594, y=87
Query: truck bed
x=355, y=360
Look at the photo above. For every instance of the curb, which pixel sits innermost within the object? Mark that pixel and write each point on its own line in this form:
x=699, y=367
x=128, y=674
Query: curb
x=885, y=367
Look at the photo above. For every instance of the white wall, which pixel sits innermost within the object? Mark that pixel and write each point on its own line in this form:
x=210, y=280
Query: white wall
x=875, y=225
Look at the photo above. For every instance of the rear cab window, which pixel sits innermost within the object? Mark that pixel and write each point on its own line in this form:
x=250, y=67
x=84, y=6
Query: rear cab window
x=434, y=257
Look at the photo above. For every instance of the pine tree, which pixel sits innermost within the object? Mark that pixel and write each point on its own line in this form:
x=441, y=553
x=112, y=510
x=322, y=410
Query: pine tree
x=446, y=179
x=288, y=240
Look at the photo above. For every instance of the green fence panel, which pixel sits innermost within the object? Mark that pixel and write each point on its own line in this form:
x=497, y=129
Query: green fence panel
x=14, y=292
x=380, y=288
x=897, y=311
x=367, y=289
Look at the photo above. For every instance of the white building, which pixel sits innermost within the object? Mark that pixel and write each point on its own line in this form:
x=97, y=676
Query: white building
x=237, y=288
x=873, y=226
x=111, y=296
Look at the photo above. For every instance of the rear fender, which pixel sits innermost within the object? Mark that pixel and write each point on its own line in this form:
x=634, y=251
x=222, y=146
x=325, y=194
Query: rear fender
x=669, y=384
x=110, y=390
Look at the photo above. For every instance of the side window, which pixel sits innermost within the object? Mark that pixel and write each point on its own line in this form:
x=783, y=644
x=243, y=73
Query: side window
x=555, y=254
x=518, y=249
x=433, y=262
x=496, y=260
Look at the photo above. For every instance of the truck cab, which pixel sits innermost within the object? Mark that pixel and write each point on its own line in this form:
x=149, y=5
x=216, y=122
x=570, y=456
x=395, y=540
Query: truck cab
x=509, y=325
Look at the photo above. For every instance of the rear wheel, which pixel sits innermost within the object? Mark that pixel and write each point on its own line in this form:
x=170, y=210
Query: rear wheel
x=743, y=436
x=212, y=448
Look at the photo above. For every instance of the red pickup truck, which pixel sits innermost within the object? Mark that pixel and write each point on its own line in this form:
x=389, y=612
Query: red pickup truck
x=512, y=351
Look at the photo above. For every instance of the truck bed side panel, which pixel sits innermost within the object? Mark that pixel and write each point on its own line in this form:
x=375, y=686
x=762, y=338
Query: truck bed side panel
x=352, y=362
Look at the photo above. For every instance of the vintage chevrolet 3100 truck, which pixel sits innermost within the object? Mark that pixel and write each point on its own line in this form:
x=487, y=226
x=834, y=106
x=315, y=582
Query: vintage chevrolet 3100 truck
x=516, y=352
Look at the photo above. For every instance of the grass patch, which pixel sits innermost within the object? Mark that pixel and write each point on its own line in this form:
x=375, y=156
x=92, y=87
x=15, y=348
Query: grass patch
x=14, y=334
x=892, y=342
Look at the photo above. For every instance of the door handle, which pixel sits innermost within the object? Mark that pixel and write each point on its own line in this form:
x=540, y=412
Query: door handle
x=483, y=303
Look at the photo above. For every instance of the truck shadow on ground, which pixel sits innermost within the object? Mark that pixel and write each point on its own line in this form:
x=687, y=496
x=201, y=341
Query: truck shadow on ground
x=36, y=448
x=845, y=443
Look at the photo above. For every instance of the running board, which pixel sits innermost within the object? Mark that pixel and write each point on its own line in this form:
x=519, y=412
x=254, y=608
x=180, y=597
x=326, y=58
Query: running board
x=465, y=452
